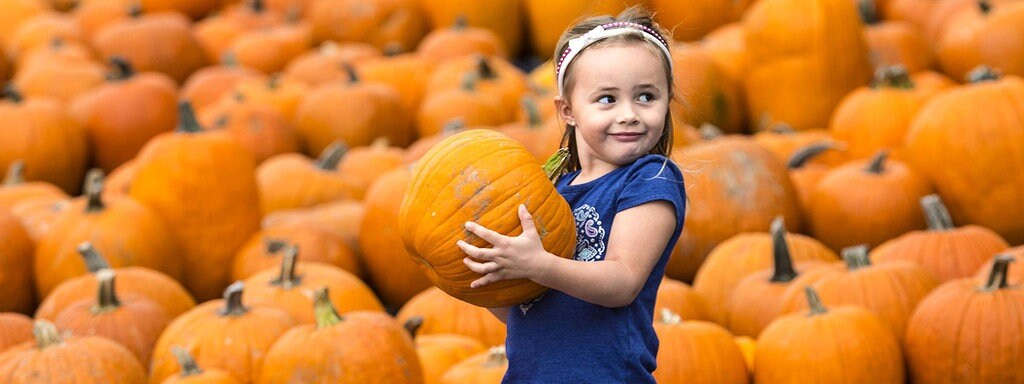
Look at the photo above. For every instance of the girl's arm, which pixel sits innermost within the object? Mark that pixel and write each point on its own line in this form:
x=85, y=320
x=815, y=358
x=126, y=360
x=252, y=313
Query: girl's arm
x=637, y=239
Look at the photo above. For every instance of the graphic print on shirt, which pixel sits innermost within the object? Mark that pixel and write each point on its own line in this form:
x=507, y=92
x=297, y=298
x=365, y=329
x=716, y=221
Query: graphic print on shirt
x=589, y=234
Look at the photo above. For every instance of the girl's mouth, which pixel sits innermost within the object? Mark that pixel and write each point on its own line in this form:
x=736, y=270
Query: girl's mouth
x=627, y=136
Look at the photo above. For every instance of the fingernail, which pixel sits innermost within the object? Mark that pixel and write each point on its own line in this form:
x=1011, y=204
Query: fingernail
x=469, y=225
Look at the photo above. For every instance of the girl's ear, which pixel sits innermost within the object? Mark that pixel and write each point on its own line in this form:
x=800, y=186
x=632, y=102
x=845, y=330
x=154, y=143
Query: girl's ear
x=564, y=110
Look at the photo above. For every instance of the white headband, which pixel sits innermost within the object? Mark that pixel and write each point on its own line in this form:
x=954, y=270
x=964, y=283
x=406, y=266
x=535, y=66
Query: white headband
x=601, y=32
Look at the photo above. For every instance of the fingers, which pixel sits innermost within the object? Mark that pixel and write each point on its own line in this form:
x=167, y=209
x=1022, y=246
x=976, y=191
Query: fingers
x=474, y=251
x=484, y=233
x=526, y=220
x=481, y=268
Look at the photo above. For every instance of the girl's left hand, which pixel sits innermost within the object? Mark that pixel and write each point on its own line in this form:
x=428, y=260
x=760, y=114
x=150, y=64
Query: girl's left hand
x=520, y=257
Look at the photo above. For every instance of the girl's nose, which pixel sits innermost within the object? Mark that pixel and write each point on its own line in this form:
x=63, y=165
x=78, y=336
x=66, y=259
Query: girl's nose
x=627, y=115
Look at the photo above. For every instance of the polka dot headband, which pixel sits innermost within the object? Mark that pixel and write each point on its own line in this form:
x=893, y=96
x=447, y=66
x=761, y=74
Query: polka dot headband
x=601, y=32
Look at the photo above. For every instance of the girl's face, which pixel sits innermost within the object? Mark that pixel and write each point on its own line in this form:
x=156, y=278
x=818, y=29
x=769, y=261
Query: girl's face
x=618, y=104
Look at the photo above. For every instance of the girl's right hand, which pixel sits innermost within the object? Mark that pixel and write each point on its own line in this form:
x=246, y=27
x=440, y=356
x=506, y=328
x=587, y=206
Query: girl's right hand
x=519, y=257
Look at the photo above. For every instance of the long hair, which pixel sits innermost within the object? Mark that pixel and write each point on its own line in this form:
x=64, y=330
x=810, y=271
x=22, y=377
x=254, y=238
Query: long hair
x=634, y=14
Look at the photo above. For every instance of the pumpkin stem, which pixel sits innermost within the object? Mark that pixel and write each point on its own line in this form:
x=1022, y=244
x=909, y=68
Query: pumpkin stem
x=94, y=190
x=393, y=49
x=484, y=68
x=782, y=128
x=997, y=277
x=323, y=309
x=496, y=357
x=469, y=82
x=413, y=325
x=814, y=302
x=784, y=271
x=135, y=9
x=233, y=300
x=222, y=121
x=453, y=126
x=856, y=257
x=868, y=11
x=274, y=81
x=353, y=76
x=985, y=6
x=46, y=334
x=186, y=361
x=805, y=154
x=331, y=156
x=187, y=118
x=15, y=173
x=555, y=165
x=461, y=22
x=666, y=316
x=709, y=131
x=533, y=118
x=936, y=213
x=229, y=59
x=877, y=164
x=94, y=261
x=895, y=76
x=257, y=6
x=11, y=93
x=121, y=69
x=287, y=279
x=57, y=43
x=983, y=73
x=106, y=298
x=274, y=245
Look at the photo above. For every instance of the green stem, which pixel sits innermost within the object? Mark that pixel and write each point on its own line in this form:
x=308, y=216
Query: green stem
x=11, y=93
x=461, y=22
x=106, y=298
x=805, y=154
x=469, y=82
x=784, y=271
x=533, y=117
x=274, y=245
x=484, y=68
x=331, y=156
x=94, y=191
x=323, y=309
x=1000, y=269
x=936, y=214
x=868, y=11
x=233, y=300
x=187, y=122
x=121, y=69
x=814, y=302
x=94, y=261
x=46, y=334
x=413, y=325
x=985, y=6
x=186, y=361
x=555, y=165
x=983, y=73
x=257, y=6
x=877, y=165
x=15, y=173
x=353, y=76
x=856, y=257
x=289, y=260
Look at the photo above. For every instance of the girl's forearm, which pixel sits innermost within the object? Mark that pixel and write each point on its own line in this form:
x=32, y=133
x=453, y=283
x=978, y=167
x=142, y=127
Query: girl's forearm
x=606, y=283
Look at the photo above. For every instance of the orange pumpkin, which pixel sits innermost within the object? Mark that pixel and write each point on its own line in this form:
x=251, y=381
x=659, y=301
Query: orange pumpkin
x=540, y=137
x=208, y=84
x=327, y=62
x=705, y=93
x=134, y=321
x=406, y=73
x=165, y=291
x=14, y=188
x=965, y=332
x=40, y=30
x=468, y=104
x=260, y=128
x=356, y=347
x=126, y=232
x=844, y=204
x=439, y=352
x=134, y=37
x=805, y=173
x=503, y=17
x=290, y=287
x=364, y=165
x=803, y=59
x=15, y=266
x=292, y=180
x=460, y=39
x=15, y=328
x=838, y=344
x=689, y=21
x=341, y=218
x=383, y=23
x=495, y=76
x=203, y=184
x=486, y=367
x=491, y=174
x=945, y=250
x=270, y=49
x=125, y=112
x=546, y=20
x=40, y=132
x=13, y=13
x=961, y=162
x=1015, y=272
x=681, y=299
x=221, y=333
x=894, y=42
x=86, y=360
x=392, y=272
x=696, y=352
x=443, y=314
x=263, y=249
x=192, y=374
x=973, y=37
x=746, y=253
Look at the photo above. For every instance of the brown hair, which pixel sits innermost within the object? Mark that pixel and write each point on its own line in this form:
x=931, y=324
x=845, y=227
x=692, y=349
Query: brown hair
x=634, y=14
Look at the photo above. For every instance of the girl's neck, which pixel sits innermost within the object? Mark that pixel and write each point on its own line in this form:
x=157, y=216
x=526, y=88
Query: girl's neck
x=591, y=172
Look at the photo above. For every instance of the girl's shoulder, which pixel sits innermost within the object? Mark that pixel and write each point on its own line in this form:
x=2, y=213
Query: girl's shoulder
x=654, y=167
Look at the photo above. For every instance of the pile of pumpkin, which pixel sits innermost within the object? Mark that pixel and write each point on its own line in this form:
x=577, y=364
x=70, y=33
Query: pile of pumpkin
x=200, y=189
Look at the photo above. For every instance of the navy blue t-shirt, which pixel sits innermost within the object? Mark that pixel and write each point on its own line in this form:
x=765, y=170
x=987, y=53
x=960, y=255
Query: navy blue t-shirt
x=561, y=339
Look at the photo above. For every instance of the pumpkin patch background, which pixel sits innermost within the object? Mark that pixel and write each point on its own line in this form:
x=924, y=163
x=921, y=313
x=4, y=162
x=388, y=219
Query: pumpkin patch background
x=183, y=178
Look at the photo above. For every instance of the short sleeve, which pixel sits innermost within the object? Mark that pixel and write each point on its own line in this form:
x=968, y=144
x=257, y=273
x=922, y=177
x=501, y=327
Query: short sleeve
x=651, y=178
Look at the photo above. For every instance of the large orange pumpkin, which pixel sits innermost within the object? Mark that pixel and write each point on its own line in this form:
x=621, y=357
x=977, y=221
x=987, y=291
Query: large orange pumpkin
x=191, y=373
x=292, y=180
x=480, y=176
x=54, y=359
x=135, y=37
x=15, y=266
x=42, y=134
x=443, y=314
x=439, y=352
x=263, y=250
x=697, y=352
x=15, y=328
x=804, y=57
x=964, y=332
x=484, y=368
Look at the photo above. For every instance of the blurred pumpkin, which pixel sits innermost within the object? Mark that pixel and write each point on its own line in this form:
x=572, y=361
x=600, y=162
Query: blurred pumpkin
x=83, y=360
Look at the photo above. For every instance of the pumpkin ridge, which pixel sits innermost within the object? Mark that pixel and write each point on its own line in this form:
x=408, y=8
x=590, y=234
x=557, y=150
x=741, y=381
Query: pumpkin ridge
x=495, y=208
x=420, y=240
x=428, y=162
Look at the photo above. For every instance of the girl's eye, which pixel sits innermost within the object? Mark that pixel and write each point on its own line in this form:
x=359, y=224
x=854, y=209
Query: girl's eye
x=606, y=99
x=646, y=98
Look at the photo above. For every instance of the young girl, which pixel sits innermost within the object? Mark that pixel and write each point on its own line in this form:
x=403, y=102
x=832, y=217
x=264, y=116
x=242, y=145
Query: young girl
x=628, y=199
